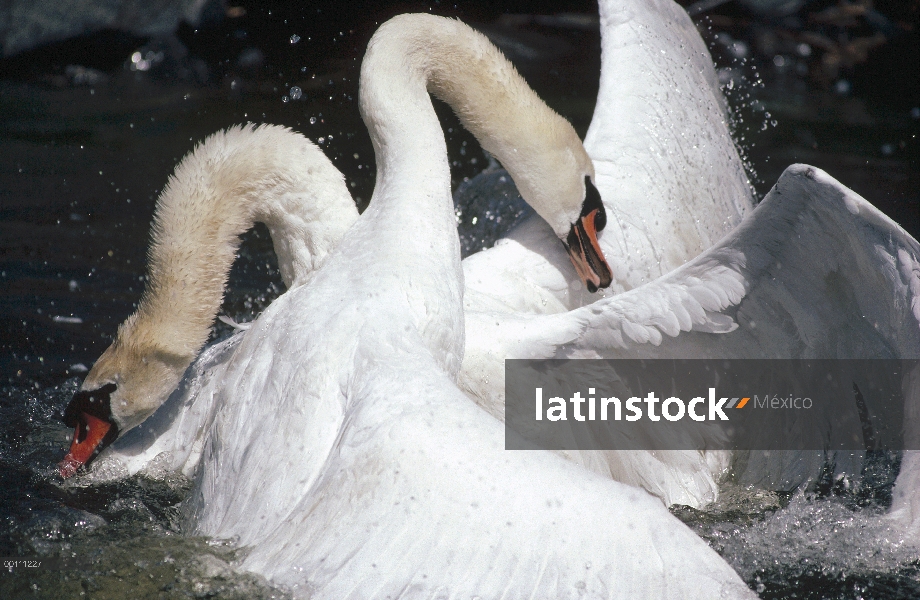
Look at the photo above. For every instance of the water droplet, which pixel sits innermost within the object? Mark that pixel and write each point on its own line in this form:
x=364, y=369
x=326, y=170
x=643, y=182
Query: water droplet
x=296, y=93
x=295, y=38
x=312, y=120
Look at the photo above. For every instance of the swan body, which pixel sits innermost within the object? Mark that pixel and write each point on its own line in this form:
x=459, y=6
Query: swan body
x=343, y=454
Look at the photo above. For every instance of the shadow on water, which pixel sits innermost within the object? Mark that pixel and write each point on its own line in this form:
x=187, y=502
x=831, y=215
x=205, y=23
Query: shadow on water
x=90, y=136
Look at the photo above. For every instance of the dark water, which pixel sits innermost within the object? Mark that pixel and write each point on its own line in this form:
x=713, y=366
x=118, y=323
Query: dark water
x=88, y=143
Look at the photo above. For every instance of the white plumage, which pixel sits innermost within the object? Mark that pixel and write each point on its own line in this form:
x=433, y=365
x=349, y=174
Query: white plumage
x=672, y=184
x=340, y=449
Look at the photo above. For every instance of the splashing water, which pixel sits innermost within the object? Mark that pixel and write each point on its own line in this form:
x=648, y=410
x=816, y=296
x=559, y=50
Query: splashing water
x=123, y=539
x=104, y=541
x=811, y=547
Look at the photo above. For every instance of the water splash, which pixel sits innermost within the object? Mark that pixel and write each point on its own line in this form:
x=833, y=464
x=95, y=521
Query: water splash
x=805, y=546
x=112, y=540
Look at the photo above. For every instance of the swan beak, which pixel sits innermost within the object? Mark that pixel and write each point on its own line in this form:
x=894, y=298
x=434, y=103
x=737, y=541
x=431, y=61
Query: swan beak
x=89, y=413
x=89, y=438
x=586, y=253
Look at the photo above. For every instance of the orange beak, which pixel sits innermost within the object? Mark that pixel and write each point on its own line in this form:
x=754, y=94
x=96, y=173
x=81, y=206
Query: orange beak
x=89, y=437
x=586, y=253
x=90, y=415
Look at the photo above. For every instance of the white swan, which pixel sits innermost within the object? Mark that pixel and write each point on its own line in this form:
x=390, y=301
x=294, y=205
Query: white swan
x=672, y=184
x=343, y=453
x=705, y=301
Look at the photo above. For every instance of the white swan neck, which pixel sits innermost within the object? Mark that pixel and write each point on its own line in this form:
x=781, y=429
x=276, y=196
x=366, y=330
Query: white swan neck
x=539, y=148
x=231, y=180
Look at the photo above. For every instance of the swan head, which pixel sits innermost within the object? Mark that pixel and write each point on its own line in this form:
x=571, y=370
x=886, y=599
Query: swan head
x=581, y=241
x=131, y=379
x=566, y=198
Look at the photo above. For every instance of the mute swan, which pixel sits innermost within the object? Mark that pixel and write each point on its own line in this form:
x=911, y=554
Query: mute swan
x=345, y=456
x=635, y=33
x=672, y=183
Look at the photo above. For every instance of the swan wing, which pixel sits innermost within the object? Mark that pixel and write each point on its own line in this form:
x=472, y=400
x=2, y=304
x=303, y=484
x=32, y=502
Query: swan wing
x=814, y=272
x=425, y=501
x=666, y=166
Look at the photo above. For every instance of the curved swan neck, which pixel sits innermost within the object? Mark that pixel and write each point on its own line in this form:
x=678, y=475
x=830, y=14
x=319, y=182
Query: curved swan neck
x=413, y=53
x=229, y=182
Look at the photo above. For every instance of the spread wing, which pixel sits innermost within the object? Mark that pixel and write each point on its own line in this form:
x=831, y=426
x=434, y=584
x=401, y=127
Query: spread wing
x=814, y=272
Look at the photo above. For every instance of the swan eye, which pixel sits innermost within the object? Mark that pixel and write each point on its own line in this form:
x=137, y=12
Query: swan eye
x=593, y=202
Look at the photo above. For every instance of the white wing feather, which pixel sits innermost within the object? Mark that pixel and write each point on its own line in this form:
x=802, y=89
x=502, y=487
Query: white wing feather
x=814, y=272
